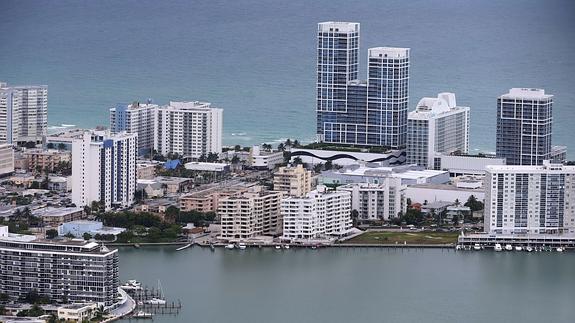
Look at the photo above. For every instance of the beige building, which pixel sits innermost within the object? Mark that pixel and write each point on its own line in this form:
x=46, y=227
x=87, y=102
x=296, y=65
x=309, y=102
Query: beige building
x=251, y=214
x=207, y=200
x=45, y=159
x=295, y=181
x=6, y=159
x=77, y=312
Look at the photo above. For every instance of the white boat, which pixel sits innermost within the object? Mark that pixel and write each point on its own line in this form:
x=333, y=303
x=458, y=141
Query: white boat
x=458, y=247
x=529, y=248
x=156, y=301
x=242, y=246
x=497, y=247
x=184, y=247
x=476, y=246
x=518, y=248
x=508, y=247
x=142, y=315
x=559, y=249
x=230, y=246
x=278, y=247
x=131, y=285
x=286, y=246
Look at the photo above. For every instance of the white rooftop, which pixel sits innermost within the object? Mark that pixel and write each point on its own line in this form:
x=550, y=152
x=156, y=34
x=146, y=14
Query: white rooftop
x=389, y=52
x=526, y=93
x=404, y=173
x=430, y=107
x=341, y=26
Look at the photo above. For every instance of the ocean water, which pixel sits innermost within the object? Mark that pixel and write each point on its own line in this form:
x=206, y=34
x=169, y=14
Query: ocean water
x=256, y=59
x=357, y=285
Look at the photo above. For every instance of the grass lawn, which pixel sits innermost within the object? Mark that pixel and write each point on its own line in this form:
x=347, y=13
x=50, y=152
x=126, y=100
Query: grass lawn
x=375, y=237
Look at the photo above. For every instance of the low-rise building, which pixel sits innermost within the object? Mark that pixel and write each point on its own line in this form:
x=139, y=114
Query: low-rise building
x=462, y=165
x=207, y=200
x=348, y=156
x=382, y=201
x=41, y=159
x=79, y=227
x=28, y=263
x=295, y=181
x=24, y=180
x=208, y=167
x=79, y=312
x=322, y=214
x=146, y=169
x=156, y=206
x=6, y=159
x=60, y=183
x=374, y=174
x=53, y=217
x=442, y=192
x=250, y=214
x=261, y=159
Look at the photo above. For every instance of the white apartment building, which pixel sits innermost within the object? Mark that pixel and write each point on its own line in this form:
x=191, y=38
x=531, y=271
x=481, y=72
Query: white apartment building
x=295, y=181
x=250, y=214
x=261, y=159
x=23, y=113
x=322, y=214
x=437, y=125
x=382, y=201
x=530, y=199
x=6, y=159
x=104, y=169
x=136, y=118
x=191, y=129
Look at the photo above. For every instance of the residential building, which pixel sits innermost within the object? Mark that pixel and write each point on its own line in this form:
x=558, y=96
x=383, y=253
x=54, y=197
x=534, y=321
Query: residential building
x=322, y=214
x=29, y=263
x=375, y=174
x=23, y=113
x=104, y=169
x=524, y=126
x=537, y=199
x=191, y=129
x=78, y=228
x=350, y=111
x=251, y=214
x=6, y=159
x=136, y=118
x=45, y=159
x=382, y=201
x=295, y=181
x=53, y=217
x=262, y=159
x=437, y=125
x=208, y=200
x=558, y=154
x=80, y=312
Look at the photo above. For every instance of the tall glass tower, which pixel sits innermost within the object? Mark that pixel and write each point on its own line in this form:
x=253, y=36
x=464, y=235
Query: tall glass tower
x=337, y=64
x=387, y=96
x=524, y=119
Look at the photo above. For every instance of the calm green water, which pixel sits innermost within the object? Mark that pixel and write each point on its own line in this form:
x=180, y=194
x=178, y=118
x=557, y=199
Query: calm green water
x=358, y=285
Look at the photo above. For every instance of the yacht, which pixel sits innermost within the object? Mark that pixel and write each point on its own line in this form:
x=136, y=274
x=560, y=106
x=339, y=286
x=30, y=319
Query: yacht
x=508, y=247
x=497, y=247
x=242, y=246
x=518, y=248
x=559, y=249
x=142, y=315
x=476, y=246
x=529, y=248
x=286, y=246
x=156, y=301
x=278, y=247
x=131, y=285
x=230, y=246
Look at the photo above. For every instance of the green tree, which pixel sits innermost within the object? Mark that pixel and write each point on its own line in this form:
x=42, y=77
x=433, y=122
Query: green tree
x=51, y=233
x=473, y=204
x=87, y=236
x=354, y=217
x=69, y=235
x=50, y=145
x=328, y=165
x=235, y=159
x=297, y=161
x=237, y=147
x=61, y=146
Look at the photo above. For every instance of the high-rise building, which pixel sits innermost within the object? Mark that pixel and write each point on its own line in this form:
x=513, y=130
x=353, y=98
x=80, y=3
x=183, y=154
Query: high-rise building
x=66, y=271
x=530, y=199
x=321, y=214
x=104, y=169
x=387, y=96
x=295, y=181
x=524, y=120
x=136, y=118
x=250, y=214
x=23, y=113
x=382, y=201
x=6, y=159
x=437, y=126
x=191, y=129
x=350, y=111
